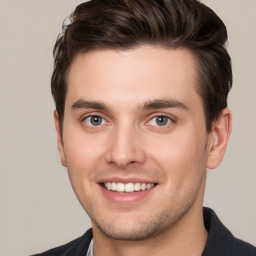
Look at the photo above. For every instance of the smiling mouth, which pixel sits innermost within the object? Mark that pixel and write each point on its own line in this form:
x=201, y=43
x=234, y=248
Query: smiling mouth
x=128, y=187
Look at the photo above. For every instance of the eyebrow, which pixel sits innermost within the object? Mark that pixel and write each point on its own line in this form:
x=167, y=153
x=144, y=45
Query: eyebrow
x=90, y=104
x=148, y=105
x=168, y=103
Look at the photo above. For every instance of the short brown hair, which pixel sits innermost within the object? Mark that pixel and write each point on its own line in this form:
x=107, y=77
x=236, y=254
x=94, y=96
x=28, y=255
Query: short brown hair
x=123, y=24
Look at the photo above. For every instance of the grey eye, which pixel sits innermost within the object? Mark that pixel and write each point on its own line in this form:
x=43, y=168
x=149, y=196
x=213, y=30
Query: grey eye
x=94, y=120
x=160, y=121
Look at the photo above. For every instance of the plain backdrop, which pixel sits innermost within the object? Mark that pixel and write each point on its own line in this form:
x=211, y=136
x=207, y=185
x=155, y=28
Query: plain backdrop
x=38, y=209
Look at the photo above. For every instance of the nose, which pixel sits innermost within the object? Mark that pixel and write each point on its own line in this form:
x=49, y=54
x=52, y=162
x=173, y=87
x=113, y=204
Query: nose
x=125, y=148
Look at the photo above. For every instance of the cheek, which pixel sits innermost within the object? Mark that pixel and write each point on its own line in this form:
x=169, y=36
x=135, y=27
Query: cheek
x=180, y=157
x=83, y=155
x=79, y=146
x=83, y=158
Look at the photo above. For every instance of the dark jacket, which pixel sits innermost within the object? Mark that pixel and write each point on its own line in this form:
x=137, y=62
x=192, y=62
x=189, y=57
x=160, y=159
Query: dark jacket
x=220, y=241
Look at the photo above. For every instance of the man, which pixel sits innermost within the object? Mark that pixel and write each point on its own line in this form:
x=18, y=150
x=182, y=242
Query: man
x=141, y=112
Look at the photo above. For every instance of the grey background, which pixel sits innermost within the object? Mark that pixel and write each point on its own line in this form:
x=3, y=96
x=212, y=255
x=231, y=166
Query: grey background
x=38, y=207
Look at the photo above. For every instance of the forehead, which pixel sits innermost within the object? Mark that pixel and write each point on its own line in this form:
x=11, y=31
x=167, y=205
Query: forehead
x=139, y=74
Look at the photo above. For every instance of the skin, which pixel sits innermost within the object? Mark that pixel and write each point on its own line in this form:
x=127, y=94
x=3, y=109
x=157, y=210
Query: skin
x=130, y=144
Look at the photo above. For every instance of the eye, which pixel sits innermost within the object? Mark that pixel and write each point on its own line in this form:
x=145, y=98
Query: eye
x=160, y=121
x=94, y=120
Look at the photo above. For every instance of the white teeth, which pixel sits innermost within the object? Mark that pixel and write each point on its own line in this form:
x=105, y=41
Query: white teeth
x=120, y=187
x=143, y=186
x=137, y=186
x=127, y=188
x=108, y=186
x=149, y=186
x=113, y=188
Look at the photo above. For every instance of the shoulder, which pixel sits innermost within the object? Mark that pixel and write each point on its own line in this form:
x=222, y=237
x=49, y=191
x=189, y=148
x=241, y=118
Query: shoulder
x=242, y=248
x=220, y=239
x=76, y=247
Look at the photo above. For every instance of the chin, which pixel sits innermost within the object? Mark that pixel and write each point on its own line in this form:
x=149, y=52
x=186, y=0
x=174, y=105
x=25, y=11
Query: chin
x=128, y=233
x=141, y=229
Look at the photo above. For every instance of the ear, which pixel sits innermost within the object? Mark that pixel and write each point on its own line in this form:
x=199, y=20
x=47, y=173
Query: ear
x=59, y=139
x=220, y=133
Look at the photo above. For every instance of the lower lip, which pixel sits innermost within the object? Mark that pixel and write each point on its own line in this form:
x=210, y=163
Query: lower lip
x=124, y=198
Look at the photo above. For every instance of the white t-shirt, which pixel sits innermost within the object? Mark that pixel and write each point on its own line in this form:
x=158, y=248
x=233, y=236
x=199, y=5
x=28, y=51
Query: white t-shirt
x=90, y=250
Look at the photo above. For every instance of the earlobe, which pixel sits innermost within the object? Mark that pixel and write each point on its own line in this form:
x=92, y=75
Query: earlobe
x=59, y=139
x=219, y=138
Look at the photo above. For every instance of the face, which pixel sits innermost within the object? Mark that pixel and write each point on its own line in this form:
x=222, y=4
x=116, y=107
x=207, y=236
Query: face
x=134, y=139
